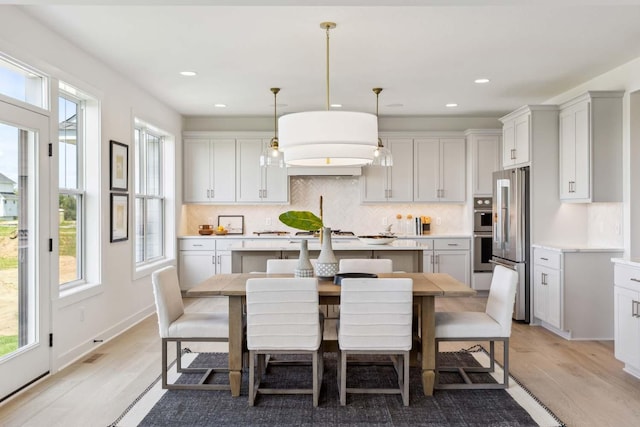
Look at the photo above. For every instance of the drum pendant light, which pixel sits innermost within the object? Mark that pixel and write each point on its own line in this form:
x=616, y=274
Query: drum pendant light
x=381, y=155
x=271, y=156
x=328, y=138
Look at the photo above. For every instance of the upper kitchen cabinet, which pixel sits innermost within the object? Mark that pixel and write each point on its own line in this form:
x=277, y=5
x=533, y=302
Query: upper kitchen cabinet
x=255, y=184
x=485, y=158
x=516, y=139
x=520, y=129
x=390, y=184
x=440, y=170
x=591, y=148
x=209, y=170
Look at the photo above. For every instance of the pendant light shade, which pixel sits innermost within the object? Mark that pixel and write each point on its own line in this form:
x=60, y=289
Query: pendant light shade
x=381, y=155
x=328, y=138
x=271, y=156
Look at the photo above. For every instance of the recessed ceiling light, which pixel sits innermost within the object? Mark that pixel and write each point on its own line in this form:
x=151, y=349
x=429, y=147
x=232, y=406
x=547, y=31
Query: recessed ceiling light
x=188, y=73
x=336, y=105
x=451, y=105
x=220, y=105
x=481, y=81
x=394, y=105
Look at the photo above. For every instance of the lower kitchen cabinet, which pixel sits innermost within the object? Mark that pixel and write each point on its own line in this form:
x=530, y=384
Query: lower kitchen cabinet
x=199, y=259
x=451, y=256
x=572, y=293
x=627, y=316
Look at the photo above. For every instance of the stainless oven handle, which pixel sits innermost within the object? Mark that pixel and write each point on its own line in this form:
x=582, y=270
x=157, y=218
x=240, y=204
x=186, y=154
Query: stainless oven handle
x=487, y=235
x=502, y=264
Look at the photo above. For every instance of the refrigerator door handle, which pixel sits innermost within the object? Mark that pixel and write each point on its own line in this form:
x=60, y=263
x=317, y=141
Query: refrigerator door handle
x=503, y=264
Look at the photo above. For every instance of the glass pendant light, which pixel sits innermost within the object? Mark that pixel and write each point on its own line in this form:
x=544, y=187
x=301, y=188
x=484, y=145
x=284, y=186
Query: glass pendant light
x=271, y=156
x=381, y=155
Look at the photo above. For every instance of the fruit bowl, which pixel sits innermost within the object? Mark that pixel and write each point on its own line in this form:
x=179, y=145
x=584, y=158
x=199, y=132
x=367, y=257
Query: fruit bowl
x=221, y=232
x=377, y=240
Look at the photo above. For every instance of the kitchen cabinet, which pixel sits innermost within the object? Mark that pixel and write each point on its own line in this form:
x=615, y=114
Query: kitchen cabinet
x=440, y=170
x=208, y=172
x=451, y=256
x=591, y=148
x=572, y=294
x=516, y=139
x=485, y=158
x=627, y=316
x=201, y=258
x=256, y=184
x=394, y=183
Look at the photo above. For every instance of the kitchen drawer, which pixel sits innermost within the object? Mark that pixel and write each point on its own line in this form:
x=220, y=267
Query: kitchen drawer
x=226, y=244
x=627, y=276
x=452, y=244
x=547, y=258
x=203, y=244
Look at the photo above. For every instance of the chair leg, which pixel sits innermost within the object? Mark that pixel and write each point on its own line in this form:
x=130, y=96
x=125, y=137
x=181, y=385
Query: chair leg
x=316, y=385
x=252, y=363
x=179, y=356
x=405, y=389
x=164, y=363
x=505, y=362
x=343, y=378
x=492, y=356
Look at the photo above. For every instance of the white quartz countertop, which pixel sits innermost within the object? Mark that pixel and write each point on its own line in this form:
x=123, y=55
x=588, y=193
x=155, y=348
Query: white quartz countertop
x=336, y=244
x=574, y=248
x=311, y=239
x=633, y=262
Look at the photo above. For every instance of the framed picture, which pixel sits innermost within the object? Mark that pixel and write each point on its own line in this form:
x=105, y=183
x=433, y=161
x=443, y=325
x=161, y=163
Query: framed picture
x=119, y=217
x=234, y=224
x=119, y=166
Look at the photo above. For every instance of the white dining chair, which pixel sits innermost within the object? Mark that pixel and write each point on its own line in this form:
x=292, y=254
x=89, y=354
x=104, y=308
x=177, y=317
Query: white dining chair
x=375, y=318
x=357, y=265
x=283, y=318
x=494, y=324
x=177, y=326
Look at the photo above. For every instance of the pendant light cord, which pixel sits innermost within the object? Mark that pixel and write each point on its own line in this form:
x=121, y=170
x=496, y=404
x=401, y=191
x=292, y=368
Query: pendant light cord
x=328, y=103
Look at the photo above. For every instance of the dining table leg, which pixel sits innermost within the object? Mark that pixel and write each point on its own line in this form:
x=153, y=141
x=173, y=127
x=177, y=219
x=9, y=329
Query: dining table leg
x=428, y=344
x=235, y=344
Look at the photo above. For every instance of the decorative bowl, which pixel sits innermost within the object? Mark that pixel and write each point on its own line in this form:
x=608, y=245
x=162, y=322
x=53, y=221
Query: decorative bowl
x=205, y=232
x=377, y=240
x=221, y=233
x=337, y=279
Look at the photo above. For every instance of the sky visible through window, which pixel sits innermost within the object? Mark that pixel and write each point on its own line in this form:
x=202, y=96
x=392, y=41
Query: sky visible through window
x=11, y=84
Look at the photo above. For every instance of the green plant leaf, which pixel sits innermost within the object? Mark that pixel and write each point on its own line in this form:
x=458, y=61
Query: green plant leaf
x=302, y=220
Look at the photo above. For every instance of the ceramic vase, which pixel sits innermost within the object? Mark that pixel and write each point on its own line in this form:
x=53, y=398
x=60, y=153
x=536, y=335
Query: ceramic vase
x=327, y=264
x=304, y=267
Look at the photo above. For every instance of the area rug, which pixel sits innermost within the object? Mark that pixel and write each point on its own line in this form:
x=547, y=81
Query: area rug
x=512, y=407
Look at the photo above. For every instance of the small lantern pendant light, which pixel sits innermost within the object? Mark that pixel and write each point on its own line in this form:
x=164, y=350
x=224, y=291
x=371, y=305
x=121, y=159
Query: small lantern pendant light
x=271, y=156
x=381, y=156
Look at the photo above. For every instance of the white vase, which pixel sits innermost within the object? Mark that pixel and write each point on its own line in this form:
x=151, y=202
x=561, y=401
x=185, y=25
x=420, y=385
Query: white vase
x=327, y=264
x=304, y=267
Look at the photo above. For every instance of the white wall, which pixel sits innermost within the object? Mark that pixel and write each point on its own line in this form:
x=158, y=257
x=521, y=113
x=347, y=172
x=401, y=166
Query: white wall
x=120, y=301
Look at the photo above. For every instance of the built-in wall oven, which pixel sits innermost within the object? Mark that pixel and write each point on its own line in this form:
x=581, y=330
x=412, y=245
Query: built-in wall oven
x=482, y=234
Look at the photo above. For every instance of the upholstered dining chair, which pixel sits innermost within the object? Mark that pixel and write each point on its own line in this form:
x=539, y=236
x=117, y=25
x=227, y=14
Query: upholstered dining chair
x=494, y=324
x=375, y=318
x=177, y=326
x=283, y=318
x=283, y=266
x=356, y=265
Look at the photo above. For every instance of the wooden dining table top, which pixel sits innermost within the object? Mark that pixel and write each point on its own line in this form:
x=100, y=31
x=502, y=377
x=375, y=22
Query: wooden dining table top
x=424, y=284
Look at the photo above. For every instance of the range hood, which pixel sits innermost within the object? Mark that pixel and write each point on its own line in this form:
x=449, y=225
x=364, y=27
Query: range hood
x=324, y=170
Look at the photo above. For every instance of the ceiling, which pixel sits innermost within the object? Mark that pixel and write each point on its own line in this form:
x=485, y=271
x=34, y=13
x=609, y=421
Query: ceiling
x=422, y=54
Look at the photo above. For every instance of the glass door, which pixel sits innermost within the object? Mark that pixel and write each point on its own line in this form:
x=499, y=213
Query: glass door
x=24, y=258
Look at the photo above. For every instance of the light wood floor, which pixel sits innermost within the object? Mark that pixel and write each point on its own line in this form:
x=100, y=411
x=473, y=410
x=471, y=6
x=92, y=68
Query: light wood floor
x=580, y=381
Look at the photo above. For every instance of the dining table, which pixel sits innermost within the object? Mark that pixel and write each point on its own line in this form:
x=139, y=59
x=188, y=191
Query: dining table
x=426, y=286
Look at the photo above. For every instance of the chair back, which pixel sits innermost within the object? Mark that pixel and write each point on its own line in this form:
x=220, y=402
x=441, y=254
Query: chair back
x=283, y=314
x=283, y=266
x=166, y=292
x=502, y=296
x=376, y=314
x=354, y=265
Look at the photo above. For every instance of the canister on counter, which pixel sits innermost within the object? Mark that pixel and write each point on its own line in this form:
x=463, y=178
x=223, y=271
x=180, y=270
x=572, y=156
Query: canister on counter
x=426, y=225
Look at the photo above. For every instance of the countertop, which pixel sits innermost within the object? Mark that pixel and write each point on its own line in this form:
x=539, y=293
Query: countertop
x=336, y=244
x=333, y=238
x=574, y=248
x=633, y=262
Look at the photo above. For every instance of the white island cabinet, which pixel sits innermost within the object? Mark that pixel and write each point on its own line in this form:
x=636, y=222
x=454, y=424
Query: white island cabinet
x=451, y=256
x=200, y=258
x=627, y=314
x=572, y=291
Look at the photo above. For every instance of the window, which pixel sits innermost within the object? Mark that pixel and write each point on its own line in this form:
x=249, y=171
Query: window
x=70, y=190
x=21, y=83
x=150, y=200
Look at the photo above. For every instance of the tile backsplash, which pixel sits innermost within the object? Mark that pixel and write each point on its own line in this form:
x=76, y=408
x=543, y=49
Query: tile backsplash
x=605, y=225
x=342, y=210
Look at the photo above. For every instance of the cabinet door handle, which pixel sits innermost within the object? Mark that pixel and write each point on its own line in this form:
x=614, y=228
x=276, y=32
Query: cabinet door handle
x=544, y=259
x=208, y=192
x=264, y=192
x=634, y=306
x=213, y=260
x=543, y=278
x=513, y=154
x=452, y=244
x=212, y=196
x=389, y=196
x=633, y=279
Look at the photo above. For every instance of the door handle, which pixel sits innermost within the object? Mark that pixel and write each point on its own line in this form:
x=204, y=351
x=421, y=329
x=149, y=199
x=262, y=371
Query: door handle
x=513, y=154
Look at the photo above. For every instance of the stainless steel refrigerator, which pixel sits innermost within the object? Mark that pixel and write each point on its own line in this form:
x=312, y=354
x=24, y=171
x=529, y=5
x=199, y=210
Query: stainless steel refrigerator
x=511, y=231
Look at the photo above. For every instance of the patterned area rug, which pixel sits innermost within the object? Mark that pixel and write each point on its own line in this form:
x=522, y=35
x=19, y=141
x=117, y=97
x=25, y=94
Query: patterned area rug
x=512, y=407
